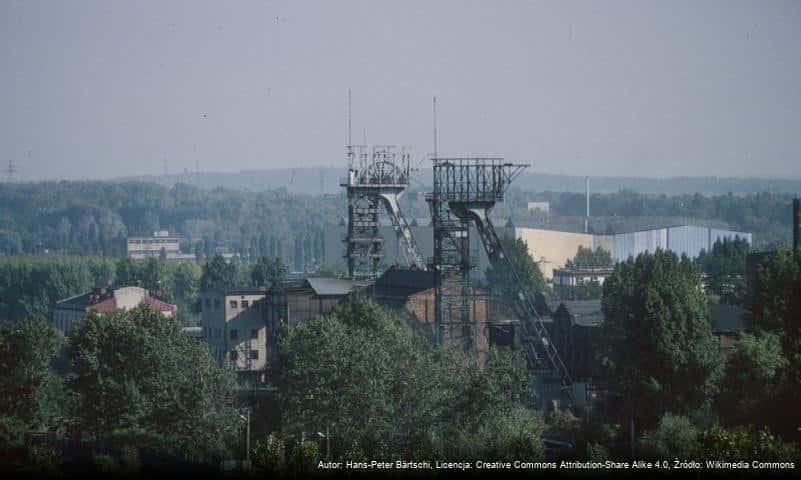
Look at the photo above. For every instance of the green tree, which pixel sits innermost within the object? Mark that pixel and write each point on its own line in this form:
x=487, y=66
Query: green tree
x=218, y=274
x=674, y=437
x=270, y=455
x=504, y=283
x=27, y=349
x=775, y=307
x=416, y=397
x=268, y=273
x=136, y=371
x=656, y=342
x=724, y=267
x=755, y=366
x=587, y=258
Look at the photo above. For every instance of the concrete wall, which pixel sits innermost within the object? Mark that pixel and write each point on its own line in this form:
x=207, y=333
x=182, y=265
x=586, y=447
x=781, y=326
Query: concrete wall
x=228, y=328
x=550, y=248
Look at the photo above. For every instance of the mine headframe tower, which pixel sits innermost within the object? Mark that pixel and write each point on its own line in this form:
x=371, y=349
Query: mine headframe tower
x=379, y=176
x=465, y=190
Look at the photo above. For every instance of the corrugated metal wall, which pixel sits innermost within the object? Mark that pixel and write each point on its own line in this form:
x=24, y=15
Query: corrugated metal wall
x=685, y=239
x=635, y=243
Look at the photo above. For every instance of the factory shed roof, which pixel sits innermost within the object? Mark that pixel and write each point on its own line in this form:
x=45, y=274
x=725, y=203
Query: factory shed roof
x=584, y=313
x=331, y=286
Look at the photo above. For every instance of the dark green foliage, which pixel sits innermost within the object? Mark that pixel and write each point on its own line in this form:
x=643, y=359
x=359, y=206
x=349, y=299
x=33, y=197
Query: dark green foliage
x=724, y=268
x=270, y=455
x=33, y=284
x=585, y=291
x=753, y=379
x=504, y=283
x=776, y=307
x=267, y=272
x=776, y=301
x=137, y=370
x=27, y=349
x=358, y=372
x=744, y=444
x=656, y=342
x=587, y=258
x=96, y=217
x=304, y=457
x=674, y=437
x=218, y=274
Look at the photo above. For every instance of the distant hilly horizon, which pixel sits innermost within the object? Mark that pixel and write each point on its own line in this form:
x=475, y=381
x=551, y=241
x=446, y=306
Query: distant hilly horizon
x=326, y=180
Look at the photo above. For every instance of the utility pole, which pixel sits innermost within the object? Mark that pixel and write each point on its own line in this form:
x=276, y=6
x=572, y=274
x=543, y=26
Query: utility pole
x=435, y=126
x=247, y=440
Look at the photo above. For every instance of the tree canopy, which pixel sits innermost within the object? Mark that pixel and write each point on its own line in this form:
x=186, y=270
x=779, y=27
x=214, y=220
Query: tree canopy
x=656, y=341
x=358, y=372
x=27, y=349
x=589, y=258
x=136, y=370
x=504, y=283
x=724, y=268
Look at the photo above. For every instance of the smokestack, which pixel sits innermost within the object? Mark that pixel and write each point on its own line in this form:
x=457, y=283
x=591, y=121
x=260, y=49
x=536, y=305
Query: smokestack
x=587, y=219
x=797, y=225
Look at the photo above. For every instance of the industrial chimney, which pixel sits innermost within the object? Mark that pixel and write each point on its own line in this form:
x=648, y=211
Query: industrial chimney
x=797, y=224
x=587, y=218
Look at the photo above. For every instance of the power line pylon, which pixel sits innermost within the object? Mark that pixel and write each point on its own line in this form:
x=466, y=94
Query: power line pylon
x=11, y=170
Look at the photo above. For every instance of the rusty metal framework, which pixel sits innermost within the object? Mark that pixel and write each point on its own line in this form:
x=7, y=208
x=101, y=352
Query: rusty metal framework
x=380, y=178
x=465, y=190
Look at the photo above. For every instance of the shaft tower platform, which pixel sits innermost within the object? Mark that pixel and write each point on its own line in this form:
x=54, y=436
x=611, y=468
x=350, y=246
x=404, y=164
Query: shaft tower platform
x=380, y=178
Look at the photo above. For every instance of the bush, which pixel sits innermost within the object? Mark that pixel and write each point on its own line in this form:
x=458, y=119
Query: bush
x=674, y=437
x=304, y=457
x=269, y=455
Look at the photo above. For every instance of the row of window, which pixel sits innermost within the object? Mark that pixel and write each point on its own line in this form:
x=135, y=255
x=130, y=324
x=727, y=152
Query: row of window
x=233, y=304
x=254, y=355
x=233, y=334
x=153, y=240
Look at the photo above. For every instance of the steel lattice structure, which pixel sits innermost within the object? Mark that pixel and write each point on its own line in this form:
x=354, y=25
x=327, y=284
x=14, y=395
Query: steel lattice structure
x=465, y=190
x=380, y=178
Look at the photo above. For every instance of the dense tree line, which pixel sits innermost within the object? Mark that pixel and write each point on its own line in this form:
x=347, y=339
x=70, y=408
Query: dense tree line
x=766, y=215
x=32, y=284
x=96, y=217
x=656, y=348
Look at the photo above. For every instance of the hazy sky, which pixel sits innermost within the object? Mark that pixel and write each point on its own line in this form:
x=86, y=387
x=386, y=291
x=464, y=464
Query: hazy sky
x=95, y=89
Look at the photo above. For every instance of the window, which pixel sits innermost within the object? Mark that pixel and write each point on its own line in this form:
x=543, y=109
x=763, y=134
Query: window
x=254, y=333
x=208, y=303
x=216, y=303
x=232, y=304
x=254, y=354
x=234, y=334
x=233, y=355
x=245, y=304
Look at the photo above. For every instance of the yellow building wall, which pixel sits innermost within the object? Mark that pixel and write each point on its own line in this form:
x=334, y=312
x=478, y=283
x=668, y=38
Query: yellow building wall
x=551, y=248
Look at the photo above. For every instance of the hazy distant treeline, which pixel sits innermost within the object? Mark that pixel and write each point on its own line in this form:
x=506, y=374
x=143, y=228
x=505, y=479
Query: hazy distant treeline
x=96, y=217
